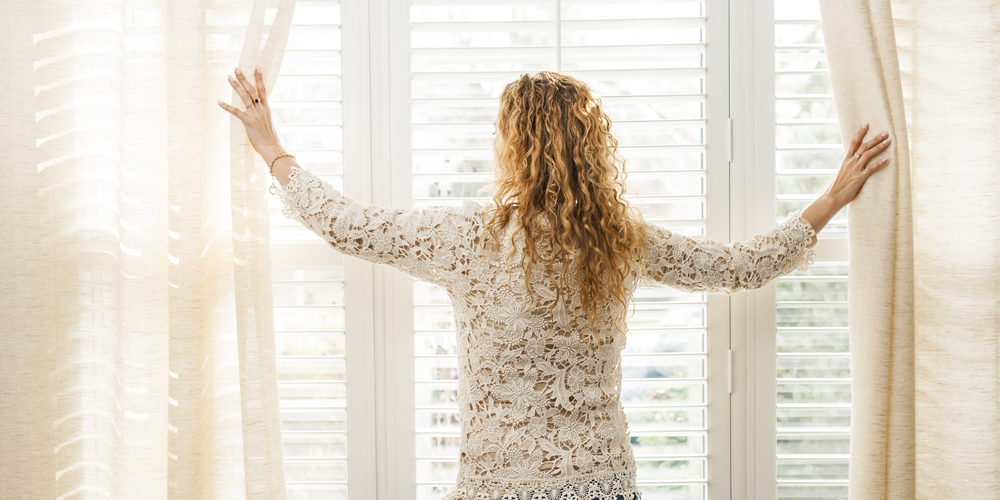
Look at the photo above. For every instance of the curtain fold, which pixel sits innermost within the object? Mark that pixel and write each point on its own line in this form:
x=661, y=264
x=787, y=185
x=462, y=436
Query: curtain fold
x=262, y=454
x=923, y=245
x=137, y=353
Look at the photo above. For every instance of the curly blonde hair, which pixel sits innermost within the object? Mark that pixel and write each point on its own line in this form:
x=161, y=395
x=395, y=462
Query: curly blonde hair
x=557, y=160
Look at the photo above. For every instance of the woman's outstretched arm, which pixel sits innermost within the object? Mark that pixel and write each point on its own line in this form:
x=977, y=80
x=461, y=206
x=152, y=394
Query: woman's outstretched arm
x=710, y=266
x=427, y=243
x=433, y=244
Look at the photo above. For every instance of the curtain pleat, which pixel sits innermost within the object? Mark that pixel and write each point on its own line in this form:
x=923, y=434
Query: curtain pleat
x=251, y=258
x=137, y=347
x=865, y=76
x=922, y=296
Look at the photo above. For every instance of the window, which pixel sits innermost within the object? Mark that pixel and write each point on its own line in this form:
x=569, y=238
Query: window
x=393, y=102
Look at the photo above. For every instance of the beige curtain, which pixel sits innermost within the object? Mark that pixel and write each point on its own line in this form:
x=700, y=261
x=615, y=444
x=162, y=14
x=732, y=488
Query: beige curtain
x=137, y=348
x=924, y=238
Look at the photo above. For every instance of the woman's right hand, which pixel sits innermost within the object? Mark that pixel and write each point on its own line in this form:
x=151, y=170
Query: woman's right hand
x=855, y=170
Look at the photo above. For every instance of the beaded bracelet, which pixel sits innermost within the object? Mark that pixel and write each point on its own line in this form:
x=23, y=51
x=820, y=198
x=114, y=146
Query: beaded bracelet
x=271, y=168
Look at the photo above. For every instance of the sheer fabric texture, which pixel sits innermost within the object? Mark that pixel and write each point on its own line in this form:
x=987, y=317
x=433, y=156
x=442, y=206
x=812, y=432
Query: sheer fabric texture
x=137, y=353
x=541, y=416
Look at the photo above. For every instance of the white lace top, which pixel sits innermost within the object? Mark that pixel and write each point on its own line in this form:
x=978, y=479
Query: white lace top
x=541, y=419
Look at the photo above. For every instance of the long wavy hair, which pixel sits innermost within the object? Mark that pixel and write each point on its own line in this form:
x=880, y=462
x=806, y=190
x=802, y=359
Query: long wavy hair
x=557, y=167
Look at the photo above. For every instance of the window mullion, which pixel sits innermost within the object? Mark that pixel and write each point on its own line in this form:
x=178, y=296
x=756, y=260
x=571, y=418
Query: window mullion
x=393, y=185
x=753, y=202
x=762, y=202
x=717, y=228
x=392, y=311
x=362, y=415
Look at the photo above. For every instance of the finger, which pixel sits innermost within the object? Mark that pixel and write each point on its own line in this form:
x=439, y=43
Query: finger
x=875, y=167
x=871, y=152
x=239, y=114
x=856, y=141
x=252, y=92
x=874, y=141
x=241, y=91
x=261, y=92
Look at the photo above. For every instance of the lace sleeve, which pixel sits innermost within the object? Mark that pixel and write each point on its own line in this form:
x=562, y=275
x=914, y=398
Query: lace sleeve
x=427, y=243
x=709, y=266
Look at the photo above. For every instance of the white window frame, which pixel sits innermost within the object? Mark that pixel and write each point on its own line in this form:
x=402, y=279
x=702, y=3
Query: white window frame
x=379, y=299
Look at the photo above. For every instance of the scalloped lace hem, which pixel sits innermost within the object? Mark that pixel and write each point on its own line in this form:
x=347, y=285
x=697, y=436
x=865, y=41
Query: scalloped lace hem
x=615, y=486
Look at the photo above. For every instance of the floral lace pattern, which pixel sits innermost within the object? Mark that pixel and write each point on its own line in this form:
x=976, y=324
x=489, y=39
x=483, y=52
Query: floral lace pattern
x=709, y=266
x=541, y=417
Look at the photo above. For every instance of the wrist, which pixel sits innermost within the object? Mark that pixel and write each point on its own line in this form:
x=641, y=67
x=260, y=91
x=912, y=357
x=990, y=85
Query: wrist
x=821, y=210
x=269, y=152
x=833, y=199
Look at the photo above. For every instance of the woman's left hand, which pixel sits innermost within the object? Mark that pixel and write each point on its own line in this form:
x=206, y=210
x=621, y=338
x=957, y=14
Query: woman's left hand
x=257, y=116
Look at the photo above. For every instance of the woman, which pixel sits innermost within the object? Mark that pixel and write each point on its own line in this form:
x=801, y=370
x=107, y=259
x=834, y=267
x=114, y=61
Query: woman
x=539, y=347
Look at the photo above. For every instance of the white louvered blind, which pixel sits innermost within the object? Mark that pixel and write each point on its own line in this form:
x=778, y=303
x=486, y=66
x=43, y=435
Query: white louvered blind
x=813, y=357
x=647, y=60
x=308, y=275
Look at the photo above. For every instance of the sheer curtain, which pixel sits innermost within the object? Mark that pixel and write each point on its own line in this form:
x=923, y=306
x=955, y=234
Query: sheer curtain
x=137, y=348
x=924, y=252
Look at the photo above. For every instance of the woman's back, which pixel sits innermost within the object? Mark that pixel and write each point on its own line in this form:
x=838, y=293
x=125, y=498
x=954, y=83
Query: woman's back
x=538, y=408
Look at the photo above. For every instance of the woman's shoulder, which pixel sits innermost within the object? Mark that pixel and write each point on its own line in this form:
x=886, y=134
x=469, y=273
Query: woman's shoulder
x=474, y=210
x=473, y=205
x=460, y=220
